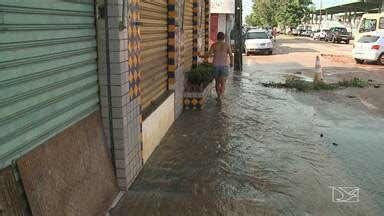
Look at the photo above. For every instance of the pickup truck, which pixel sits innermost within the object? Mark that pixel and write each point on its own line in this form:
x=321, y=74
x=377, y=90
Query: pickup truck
x=337, y=35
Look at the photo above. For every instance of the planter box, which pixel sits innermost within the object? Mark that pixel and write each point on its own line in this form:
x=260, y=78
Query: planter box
x=197, y=100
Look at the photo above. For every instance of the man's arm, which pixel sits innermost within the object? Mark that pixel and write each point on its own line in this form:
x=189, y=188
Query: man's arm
x=210, y=52
x=229, y=50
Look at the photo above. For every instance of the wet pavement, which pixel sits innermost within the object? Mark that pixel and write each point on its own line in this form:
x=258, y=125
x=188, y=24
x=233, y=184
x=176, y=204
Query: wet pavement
x=264, y=151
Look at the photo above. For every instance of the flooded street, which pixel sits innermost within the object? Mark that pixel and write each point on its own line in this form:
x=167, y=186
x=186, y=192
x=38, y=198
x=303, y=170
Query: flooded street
x=265, y=151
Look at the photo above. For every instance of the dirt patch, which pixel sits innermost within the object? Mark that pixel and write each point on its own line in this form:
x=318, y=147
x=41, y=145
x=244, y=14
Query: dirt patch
x=339, y=58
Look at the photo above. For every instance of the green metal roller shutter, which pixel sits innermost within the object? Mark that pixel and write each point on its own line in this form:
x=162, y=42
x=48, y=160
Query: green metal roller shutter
x=48, y=70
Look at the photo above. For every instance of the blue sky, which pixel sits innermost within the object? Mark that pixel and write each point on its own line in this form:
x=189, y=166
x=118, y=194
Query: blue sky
x=247, y=4
x=331, y=3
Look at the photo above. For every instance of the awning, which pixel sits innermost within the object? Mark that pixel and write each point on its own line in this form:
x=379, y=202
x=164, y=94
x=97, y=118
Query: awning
x=352, y=7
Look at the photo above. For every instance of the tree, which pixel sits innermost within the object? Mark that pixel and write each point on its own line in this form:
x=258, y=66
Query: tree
x=279, y=12
x=263, y=14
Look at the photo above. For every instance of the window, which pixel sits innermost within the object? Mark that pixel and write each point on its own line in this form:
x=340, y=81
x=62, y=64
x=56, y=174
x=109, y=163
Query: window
x=257, y=35
x=381, y=23
x=368, y=39
x=341, y=30
x=368, y=25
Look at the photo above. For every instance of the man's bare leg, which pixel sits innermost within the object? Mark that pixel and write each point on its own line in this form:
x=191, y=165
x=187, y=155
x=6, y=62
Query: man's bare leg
x=223, y=81
x=218, y=87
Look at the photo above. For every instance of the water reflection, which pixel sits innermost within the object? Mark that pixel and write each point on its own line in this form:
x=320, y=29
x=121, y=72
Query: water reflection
x=258, y=152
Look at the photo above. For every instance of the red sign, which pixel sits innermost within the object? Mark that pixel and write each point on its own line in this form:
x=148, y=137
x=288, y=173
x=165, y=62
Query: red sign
x=214, y=28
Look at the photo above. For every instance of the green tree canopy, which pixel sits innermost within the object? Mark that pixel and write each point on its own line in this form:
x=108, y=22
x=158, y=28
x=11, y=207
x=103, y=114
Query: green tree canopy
x=279, y=12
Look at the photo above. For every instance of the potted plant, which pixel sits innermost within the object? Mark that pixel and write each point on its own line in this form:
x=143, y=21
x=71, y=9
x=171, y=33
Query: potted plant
x=198, y=87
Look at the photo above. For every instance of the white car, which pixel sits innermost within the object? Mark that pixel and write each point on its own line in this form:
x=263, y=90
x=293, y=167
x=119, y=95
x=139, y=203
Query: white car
x=295, y=32
x=320, y=35
x=258, y=41
x=369, y=48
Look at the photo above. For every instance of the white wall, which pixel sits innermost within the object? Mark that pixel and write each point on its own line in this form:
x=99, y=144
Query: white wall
x=156, y=126
x=222, y=23
x=222, y=6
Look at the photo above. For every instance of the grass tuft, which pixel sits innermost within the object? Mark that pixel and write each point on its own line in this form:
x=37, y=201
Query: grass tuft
x=354, y=82
x=293, y=82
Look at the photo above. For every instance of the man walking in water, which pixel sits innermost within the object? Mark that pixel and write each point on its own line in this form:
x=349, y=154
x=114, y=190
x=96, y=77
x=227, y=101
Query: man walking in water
x=220, y=51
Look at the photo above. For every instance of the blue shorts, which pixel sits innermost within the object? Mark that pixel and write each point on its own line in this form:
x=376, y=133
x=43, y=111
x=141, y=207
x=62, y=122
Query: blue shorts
x=220, y=71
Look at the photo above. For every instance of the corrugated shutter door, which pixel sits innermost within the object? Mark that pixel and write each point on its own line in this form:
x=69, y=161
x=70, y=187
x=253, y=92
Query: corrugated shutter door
x=153, y=50
x=188, y=35
x=201, y=26
x=48, y=70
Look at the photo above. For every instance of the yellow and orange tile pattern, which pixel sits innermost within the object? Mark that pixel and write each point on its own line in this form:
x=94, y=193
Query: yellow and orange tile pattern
x=134, y=49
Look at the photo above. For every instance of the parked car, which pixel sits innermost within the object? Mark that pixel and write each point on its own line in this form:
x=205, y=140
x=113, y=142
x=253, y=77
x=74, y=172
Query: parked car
x=295, y=32
x=312, y=34
x=338, y=34
x=258, y=41
x=306, y=33
x=320, y=34
x=369, y=48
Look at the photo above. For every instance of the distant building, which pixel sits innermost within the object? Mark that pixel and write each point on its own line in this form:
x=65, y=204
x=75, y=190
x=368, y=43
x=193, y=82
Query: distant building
x=346, y=12
x=222, y=18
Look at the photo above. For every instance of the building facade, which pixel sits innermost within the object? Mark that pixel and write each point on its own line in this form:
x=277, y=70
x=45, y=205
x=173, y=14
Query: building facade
x=88, y=90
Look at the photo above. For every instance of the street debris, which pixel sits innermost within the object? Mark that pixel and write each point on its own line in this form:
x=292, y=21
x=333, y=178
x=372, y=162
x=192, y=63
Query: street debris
x=367, y=104
x=294, y=82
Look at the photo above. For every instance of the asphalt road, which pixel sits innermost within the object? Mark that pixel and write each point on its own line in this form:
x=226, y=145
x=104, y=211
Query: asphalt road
x=295, y=54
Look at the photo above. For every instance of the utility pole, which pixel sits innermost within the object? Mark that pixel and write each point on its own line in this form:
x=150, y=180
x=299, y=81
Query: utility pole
x=238, y=36
x=321, y=13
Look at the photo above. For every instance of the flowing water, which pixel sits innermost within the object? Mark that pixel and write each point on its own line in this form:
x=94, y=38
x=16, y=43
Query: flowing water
x=263, y=151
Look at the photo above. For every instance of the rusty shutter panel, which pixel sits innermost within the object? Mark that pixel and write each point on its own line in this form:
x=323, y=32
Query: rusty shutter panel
x=202, y=26
x=153, y=50
x=188, y=35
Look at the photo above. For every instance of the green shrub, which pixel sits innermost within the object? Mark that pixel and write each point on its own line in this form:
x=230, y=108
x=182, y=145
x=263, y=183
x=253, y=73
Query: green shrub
x=194, y=77
x=201, y=74
x=355, y=82
x=299, y=84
